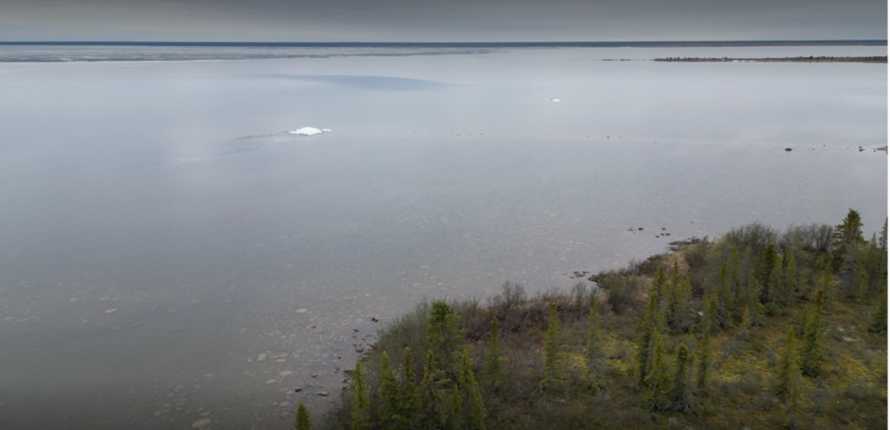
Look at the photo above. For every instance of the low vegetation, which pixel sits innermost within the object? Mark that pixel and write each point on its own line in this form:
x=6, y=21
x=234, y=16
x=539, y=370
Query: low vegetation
x=753, y=330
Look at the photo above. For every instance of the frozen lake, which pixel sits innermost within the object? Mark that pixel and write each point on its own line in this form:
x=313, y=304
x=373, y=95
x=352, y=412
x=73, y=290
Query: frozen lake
x=171, y=253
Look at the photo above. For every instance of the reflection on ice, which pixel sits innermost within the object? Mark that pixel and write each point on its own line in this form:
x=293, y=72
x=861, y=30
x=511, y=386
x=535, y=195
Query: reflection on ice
x=257, y=141
x=366, y=82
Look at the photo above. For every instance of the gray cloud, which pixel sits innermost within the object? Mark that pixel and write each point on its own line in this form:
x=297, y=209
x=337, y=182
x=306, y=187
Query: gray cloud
x=428, y=20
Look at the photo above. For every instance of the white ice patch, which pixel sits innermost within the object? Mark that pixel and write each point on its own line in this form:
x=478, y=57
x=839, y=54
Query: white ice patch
x=555, y=100
x=309, y=131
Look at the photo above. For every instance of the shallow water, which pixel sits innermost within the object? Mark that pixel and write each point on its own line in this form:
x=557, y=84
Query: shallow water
x=172, y=253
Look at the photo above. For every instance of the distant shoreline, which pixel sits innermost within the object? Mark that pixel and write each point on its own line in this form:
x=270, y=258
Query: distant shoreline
x=801, y=59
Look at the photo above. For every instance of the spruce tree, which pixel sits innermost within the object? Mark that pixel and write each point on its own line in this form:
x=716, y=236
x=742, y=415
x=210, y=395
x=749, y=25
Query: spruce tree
x=725, y=302
x=845, y=242
x=709, y=322
x=443, y=337
x=732, y=270
x=659, y=285
x=882, y=243
x=812, y=351
x=752, y=300
x=678, y=304
x=767, y=261
x=302, y=422
x=790, y=276
x=552, y=370
x=493, y=370
x=390, y=397
x=593, y=351
x=704, y=364
x=452, y=415
x=788, y=371
x=775, y=289
x=429, y=398
x=680, y=386
x=658, y=376
x=360, y=403
x=647, y=324
x=704, y=349
x=474, y=416
x=409, y=390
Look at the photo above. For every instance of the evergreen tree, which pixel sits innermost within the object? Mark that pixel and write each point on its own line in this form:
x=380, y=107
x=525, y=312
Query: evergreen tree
x=824, y=291
x=752, y=301
x=302, y=422
x=811, y=353
x=767, y=261
x=474, y=416
x=847, y=236
x=704, y=364
x=360, y=404
x=443, y=337
x=452, y=415
x=647, y=326
x=788, y=376
x=874, y=261
x=791, y=276
x=390, y=410
x=593, y=351
x=409, y=391
x=850, y=228
x=552, y=370
x=740, y=279
x=428, y=416
x=732, y=268
x=493, y=370
x=704, y=349
x=882, y=243
x=725, y=300
x=680, y=386
x=775, y=289
x=678, y=304
x=659, y=285
x=709, y=322
x=658, y=376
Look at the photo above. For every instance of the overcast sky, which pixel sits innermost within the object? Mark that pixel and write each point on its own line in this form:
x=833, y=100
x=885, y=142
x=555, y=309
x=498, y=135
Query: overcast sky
x=440, y=20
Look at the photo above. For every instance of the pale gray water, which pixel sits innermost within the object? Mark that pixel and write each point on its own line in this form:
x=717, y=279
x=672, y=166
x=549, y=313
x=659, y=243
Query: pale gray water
x=160, y=230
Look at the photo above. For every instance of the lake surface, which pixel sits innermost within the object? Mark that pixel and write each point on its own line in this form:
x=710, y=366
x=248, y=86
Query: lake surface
x=171, y=254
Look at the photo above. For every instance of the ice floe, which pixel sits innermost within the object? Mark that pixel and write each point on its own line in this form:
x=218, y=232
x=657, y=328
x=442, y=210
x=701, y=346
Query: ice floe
x=309, y=131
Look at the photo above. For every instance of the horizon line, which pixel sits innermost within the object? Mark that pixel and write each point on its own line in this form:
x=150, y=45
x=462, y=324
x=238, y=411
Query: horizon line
x=705, y=42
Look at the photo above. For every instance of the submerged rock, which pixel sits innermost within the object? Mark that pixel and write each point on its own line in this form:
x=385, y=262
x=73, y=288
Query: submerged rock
x=202, y=423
